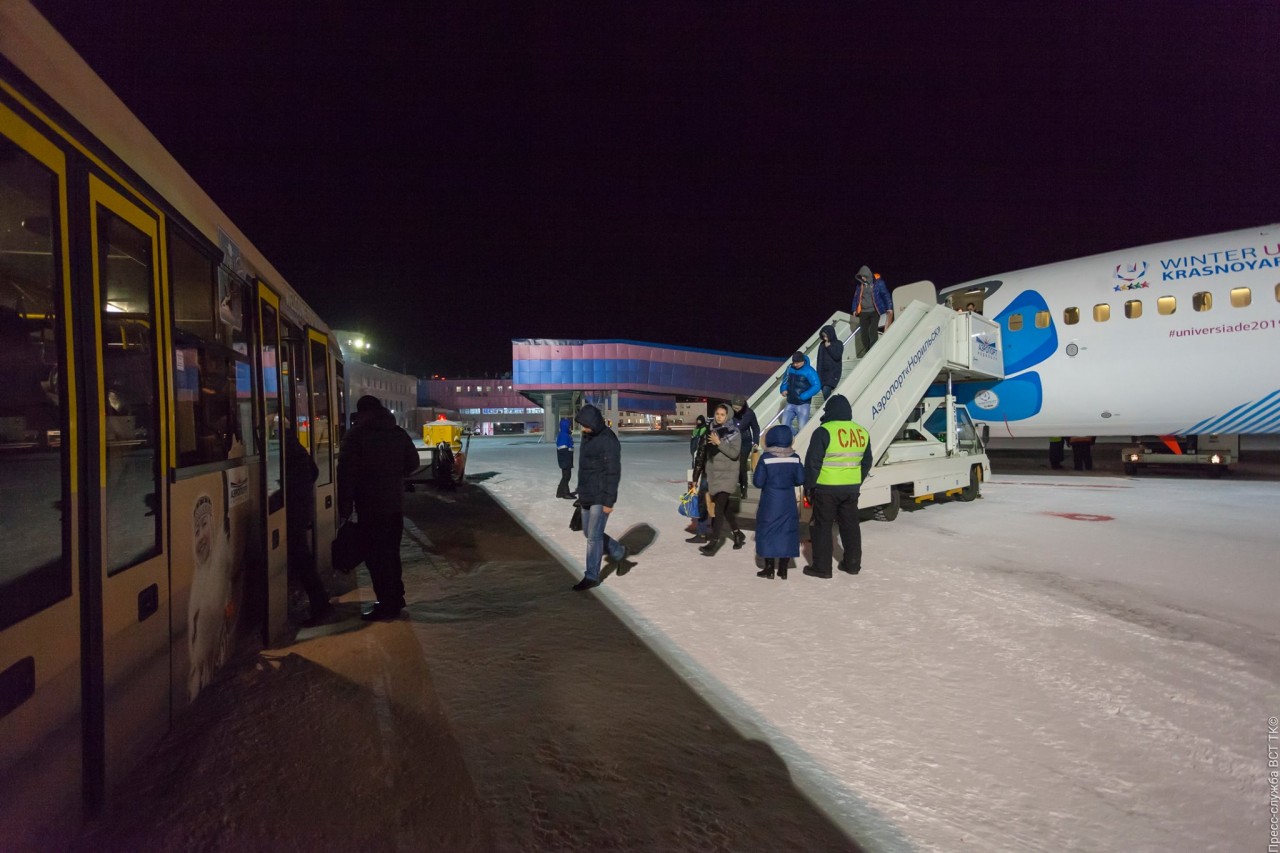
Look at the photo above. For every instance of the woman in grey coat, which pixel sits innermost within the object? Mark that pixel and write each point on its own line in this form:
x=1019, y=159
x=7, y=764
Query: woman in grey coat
x=724, y=446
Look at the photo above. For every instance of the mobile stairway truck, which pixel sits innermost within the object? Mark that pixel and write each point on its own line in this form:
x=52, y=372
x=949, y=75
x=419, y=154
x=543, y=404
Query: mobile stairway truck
x=925, y=444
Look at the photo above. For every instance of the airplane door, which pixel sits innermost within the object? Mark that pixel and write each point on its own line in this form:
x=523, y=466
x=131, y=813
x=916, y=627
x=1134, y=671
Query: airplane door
x=41, y=742
x=272, y=430
x=129, y=546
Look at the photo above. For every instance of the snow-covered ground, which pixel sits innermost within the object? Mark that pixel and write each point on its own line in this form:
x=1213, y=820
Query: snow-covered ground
x=1072, y=662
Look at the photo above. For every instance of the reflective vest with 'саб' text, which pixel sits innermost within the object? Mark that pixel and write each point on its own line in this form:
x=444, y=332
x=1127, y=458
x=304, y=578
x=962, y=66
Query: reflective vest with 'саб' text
x=842, y=466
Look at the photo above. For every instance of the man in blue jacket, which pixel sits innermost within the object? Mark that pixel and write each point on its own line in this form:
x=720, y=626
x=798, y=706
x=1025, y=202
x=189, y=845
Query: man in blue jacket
x=870, y=300
x=799, y=386
x=599, y=472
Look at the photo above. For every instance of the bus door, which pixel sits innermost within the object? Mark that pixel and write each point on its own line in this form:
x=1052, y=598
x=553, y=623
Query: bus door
x=41, y=480
x=322, y=445
x=274, y=419
x=128, y=548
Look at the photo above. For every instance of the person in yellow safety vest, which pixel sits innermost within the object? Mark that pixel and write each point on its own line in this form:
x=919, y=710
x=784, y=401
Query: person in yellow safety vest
x=835, y=465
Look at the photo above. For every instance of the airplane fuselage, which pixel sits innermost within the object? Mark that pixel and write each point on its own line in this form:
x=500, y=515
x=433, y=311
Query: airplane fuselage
x=1173, y=338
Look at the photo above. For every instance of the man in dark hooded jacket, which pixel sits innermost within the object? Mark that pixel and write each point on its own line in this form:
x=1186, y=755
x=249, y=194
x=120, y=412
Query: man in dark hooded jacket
x=599, y=472
x=835, y=465
x=830, y=360
x=375, y=457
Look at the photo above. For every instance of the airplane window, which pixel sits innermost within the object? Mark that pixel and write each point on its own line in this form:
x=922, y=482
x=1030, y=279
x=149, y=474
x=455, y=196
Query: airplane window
x=1201, y=301
x=1015, y=322
x=1071, y=316
x=1101, y=312
x=1133, y=309
x=1167, y=304
x=1241, y=297
x=1278, y=293
x=1042, y=319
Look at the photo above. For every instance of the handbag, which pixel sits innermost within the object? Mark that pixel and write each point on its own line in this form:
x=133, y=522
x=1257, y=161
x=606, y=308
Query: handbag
x=347, y=550
x=575, y=520
x=689, y=504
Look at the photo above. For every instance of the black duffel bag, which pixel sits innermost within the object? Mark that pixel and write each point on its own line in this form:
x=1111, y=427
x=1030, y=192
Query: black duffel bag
x=347, y=549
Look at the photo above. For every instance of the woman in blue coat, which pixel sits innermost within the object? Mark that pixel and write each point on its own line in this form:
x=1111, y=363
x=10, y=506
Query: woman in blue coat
x=777, y=475
x=564, y=456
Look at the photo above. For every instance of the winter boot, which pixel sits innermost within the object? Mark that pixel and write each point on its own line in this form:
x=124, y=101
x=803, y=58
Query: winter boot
x=739, y=539
x=710, y=549
x=767, y=571
x=783, y=563
x=697, y=538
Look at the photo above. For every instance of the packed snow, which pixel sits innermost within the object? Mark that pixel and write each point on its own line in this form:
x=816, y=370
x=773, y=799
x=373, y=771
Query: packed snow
x=1071, y=662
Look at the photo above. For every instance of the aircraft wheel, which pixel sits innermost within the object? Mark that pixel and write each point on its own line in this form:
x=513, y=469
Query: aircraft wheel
x=1131, y=469
x=974, y=488
x=1215, y=472
x=889, y=511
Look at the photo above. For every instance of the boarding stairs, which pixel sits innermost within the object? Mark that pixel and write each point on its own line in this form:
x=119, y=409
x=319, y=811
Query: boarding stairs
x=927, y=344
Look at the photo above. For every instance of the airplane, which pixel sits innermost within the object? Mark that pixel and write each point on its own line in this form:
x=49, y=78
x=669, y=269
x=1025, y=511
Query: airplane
x=1176, y=340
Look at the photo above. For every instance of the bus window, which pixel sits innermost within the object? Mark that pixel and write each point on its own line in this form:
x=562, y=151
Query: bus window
x=1201, y=301
x=213, y=382
x=1042, y=319
x=36, y=571
x=1015, y=322
x=1241, y=297
x=1101, y=312
x=1133, y=309
x=1070, y=316
x=1167, y=304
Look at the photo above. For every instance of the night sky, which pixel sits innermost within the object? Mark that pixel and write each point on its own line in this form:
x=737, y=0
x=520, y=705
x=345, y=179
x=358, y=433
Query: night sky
x=450, y=176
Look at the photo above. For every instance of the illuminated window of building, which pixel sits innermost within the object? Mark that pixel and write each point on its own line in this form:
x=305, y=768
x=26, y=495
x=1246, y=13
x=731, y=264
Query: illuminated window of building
x=1070, y=316
x=1201, y=301
x=1015, y=322
x=1240, y=297
x=1101, y=312
x=1042, y=319
x=457, y=389
x=1167, y=304
x=1133, y=309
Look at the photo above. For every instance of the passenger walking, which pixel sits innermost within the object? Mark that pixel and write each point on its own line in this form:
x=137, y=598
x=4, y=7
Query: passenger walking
x=375, y=458
x=564, y=456
x=699, y=435
x=300, y=474
x=1082, y=452
x=799, y=385
x=835, y=465
x=701, y=526
x=871, y=300
x=830, y=360
x=749, y=428
x=777, y=475
x=599, y=473
x=725, y=446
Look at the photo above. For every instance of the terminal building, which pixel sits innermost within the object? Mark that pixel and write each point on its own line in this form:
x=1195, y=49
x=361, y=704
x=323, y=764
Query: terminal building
x=397, y=391
x=631, y=382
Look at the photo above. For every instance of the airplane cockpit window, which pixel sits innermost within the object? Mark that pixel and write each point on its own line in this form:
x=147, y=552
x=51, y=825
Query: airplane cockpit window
x=1042, y=319
x=1167, y=304
x=1201, y=301
x=1133, y=309
x=1015, y=322
x=1241, y=297
x=1101, y=312
x=1070, y=316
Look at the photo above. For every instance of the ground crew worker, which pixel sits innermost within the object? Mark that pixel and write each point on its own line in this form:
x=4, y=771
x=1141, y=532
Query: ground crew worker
x=835, y=465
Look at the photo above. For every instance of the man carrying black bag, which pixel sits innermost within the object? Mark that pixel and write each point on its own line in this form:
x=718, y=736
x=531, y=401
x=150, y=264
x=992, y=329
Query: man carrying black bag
x=375, y=458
